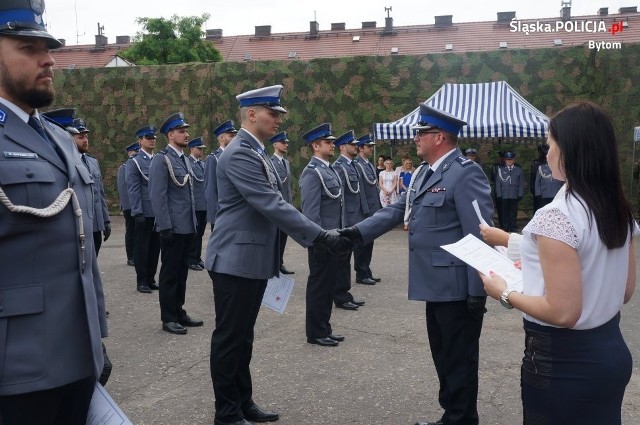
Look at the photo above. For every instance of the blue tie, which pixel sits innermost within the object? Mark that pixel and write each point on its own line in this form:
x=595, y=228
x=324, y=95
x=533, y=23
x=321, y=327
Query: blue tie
x=37, y=126
x=426, y=177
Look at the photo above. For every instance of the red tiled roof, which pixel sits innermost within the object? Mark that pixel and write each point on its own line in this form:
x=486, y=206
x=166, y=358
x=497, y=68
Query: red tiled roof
x=419, y=39
x=85, y=56
x=408, y=40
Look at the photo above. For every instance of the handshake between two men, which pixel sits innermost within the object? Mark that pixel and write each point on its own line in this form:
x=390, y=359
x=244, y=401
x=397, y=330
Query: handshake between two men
x=340, y=240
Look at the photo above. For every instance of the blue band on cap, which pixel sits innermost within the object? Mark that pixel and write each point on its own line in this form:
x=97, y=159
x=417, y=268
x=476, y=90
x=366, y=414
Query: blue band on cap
x=265, y=100
x=172, y=125
x=317, y=135
x=63, y=120
x=20, y=16
x=440, y=123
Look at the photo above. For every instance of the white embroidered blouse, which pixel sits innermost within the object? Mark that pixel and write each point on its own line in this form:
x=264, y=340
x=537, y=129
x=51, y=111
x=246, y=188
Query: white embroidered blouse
x=604, y=271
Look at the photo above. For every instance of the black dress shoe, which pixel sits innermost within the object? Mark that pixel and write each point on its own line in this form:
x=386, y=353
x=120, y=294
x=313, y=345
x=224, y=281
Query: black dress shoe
x=174, y=328
x=438, y=422
x=240, y=422
x=201, y=263
x=256, y=414
x=144, y=289
x=188, y=321
x=347, y=306
x=284, y=270
x=375, y=279
x=366, y=281
x=153, y=286
x=325, y=342
x=130, y=263
x=195, y=267
x=359, y=303
x=338, y=338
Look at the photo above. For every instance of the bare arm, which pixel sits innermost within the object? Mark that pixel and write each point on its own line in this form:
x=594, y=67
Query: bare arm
x=631, y=274
x=561, y=305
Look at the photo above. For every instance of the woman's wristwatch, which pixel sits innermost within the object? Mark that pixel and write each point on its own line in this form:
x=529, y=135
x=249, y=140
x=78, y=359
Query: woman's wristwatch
x=504, y=298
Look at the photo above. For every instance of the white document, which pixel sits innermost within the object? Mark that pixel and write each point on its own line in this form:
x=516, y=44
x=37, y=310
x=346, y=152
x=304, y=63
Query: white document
x=103, y=410
x=485, y=259
x=477, y=209
x=501, y=249
x=277, y=294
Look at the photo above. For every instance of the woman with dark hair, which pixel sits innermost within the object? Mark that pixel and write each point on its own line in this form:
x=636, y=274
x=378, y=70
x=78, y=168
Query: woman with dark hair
x=578, y=268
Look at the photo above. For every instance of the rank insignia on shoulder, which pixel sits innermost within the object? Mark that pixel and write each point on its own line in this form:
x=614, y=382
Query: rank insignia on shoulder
x=437, y=189
x=464, y=161
x=245, y=144
x=312, y=166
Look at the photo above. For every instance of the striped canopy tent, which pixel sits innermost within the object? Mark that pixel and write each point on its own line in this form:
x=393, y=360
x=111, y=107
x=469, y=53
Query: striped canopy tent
x=491, y=110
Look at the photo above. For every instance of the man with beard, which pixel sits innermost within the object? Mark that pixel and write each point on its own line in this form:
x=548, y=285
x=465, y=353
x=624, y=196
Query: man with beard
x=171, y=193
x=77, y=128
x=52, y=313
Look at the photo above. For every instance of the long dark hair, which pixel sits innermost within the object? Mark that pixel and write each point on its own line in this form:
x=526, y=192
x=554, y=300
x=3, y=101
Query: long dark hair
x=589, y=157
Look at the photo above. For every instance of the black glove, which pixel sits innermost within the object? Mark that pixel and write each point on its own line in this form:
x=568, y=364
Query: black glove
x=106, y=368
x=476, y=306
x=352, y=233
x=138, y=219
x=107, y=231
x=333, y=241
x=166, y=235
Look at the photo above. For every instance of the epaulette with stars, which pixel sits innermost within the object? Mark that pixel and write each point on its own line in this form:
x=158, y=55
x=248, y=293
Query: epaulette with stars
x=464, y=161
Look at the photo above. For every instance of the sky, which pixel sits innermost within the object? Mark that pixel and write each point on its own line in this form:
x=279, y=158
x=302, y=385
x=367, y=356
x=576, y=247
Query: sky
x=76, y=21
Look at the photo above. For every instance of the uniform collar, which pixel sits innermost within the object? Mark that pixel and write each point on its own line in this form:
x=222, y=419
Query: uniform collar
x=440, y=160
x=19, y=111
x=179, y=152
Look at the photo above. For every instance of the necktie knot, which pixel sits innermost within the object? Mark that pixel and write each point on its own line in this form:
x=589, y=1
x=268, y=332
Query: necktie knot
x=37, y=126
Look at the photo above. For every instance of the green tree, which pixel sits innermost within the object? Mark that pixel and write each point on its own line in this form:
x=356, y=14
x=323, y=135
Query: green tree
x=175, y=40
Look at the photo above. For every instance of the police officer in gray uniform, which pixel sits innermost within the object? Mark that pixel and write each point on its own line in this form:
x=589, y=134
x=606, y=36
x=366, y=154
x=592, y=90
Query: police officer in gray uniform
x=171, y=193
x=196, y=150
x=243, y=253
x=280, y=144
x=224, y=132
x=52, y=312
x=356, y=210
x=510, y=188
x=545, y=186
x=101, y=220
x=146, y=242
x=65, y=117
x=322, y=200
x=438, y=208
x=125, y=204
x=362, y=253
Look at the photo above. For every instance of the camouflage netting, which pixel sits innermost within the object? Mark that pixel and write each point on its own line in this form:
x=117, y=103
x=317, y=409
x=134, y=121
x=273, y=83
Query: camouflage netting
x=351, y=93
